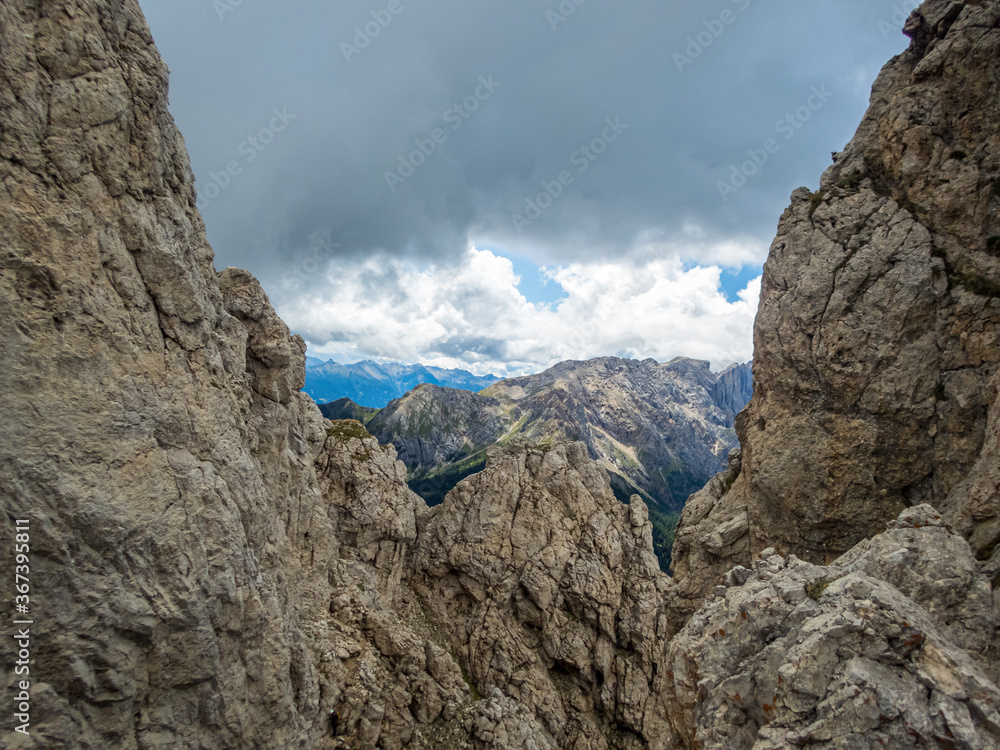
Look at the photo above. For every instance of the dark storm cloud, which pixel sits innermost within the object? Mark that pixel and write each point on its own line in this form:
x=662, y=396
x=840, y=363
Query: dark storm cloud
x=411, y=126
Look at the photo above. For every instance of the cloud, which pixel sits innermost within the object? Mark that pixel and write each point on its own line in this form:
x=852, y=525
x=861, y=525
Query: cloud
x=350, y=153
x=471, y=314
x=553, y=86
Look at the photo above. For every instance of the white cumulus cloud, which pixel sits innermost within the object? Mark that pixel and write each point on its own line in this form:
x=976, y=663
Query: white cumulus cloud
x=472, y=315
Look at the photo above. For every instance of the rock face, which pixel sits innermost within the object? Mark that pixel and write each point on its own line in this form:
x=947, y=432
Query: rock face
x=660, y=429
x=191, y=520
x=161, y=487
x=734, y=389
x=432, y=427
x=555, y=595
x=878, y=336
x=883, y=648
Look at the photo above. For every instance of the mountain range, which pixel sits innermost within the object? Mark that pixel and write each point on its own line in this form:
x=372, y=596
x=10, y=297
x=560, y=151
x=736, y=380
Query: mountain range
x=374, y=384
x=660, y=430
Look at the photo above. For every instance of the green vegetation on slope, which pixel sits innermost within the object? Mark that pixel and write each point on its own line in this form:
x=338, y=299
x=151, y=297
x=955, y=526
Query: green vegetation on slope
x=344, y=408
x=434, y=486
x=664, y=521
x=672, y=485
x=664, y=528
x=346, y=429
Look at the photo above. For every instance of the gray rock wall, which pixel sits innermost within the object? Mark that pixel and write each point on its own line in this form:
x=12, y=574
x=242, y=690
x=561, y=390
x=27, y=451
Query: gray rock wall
x=878, y=333
x=154, y=434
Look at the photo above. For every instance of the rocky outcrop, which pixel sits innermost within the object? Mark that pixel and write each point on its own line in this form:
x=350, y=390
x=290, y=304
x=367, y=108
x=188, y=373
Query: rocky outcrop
x=734, y=389
x=879, y=327
x=554, y=595
x=192, y=522
x=656, y=426
x=710, y=533
x=883, y=648
x=432, y=426
x=154, y=435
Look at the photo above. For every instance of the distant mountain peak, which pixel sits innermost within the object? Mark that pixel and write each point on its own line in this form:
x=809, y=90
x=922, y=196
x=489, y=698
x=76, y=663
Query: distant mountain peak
x=660, y=430
x=373, y=384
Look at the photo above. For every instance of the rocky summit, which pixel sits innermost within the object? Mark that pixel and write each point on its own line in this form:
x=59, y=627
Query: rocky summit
x=215, y=565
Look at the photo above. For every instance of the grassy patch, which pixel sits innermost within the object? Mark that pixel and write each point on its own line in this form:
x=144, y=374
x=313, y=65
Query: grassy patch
x=958, y=154
x=420, y=425
x=468, y=681
x=815, y=200
x=980, y=285
x=815, y=590
x=513, y=432
x=346, y=429
x=851, y=181
x=730, y=481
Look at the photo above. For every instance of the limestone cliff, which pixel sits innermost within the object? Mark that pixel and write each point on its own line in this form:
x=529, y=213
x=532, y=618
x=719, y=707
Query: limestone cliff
x=878, y=335
x=154, y=434
x=882, y=648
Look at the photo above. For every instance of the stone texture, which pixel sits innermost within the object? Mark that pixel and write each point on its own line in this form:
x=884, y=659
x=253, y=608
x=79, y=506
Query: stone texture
x=433, y=426
x=879, y=325
x=883, y=648
x=734, y=389
x=193, y=523
x=553, y=594
x=215, y=565
x=153, y=433
x=701, y=553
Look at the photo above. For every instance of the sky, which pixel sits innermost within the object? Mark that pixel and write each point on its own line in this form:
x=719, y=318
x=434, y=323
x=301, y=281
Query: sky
x=503, y=184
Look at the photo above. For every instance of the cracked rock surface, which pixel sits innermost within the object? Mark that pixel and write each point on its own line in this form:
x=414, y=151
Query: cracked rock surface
x=882, y=648
x=554, y=593
x=878, y=337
